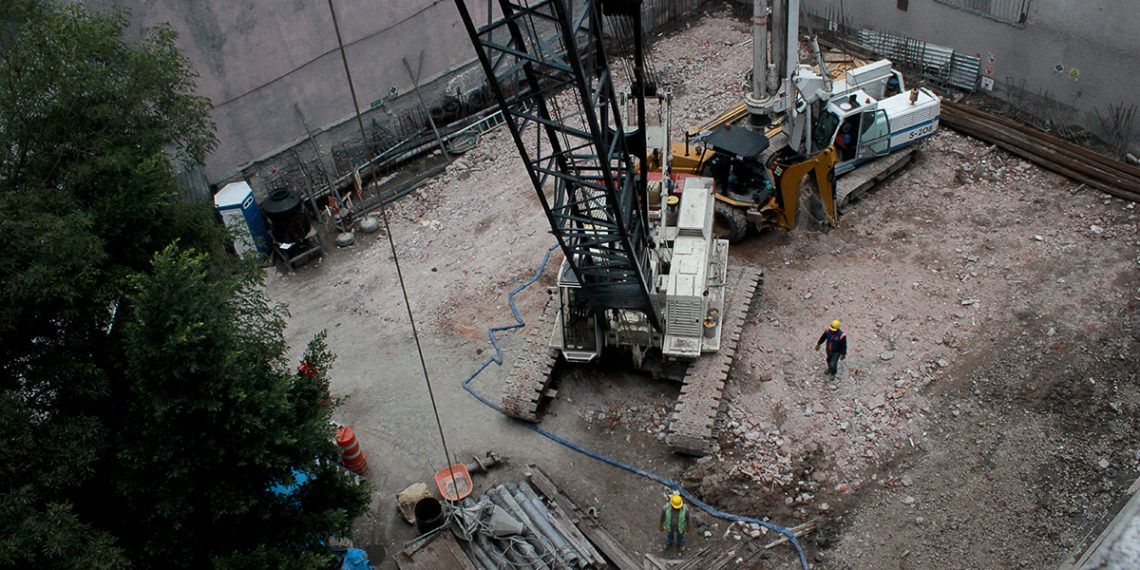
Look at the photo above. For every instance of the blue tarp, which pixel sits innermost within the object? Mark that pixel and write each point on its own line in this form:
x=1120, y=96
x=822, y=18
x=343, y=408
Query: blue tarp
x=288, y=487
x=355, y=559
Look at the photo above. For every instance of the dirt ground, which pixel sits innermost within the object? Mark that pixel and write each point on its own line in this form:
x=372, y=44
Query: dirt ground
x=984, y=418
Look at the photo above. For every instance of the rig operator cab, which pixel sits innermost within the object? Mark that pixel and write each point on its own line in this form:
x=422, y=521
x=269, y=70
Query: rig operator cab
x=871, y=114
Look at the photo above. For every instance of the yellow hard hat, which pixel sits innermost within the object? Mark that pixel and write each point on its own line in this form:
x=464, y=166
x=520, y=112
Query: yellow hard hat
x=835, y=325
x=675, y=500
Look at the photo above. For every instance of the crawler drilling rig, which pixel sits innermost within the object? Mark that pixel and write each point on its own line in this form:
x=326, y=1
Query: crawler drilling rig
x=646, y=279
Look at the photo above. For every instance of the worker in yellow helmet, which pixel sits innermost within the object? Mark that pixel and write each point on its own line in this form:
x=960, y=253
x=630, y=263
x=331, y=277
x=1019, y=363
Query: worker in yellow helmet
x=674, y=520
x=836, y=346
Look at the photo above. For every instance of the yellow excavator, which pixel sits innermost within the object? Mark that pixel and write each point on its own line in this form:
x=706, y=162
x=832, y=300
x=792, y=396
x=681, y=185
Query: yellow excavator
x=775, y=156
x=759, y=186
x=765, y=177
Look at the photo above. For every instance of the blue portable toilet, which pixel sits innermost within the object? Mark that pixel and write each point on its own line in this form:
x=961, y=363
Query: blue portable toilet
x=239, y=212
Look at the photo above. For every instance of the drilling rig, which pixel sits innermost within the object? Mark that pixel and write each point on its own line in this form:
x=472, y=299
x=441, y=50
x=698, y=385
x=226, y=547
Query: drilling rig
x=796, y=119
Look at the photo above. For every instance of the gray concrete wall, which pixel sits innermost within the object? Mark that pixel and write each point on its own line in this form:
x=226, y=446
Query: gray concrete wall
x=257, y=59
x=1098, y=38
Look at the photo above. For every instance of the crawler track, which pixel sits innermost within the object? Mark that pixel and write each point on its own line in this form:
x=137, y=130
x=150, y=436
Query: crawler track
x=528, y=382
x=691, y=424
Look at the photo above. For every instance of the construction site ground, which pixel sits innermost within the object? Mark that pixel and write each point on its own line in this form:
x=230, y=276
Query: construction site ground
x=985, y=417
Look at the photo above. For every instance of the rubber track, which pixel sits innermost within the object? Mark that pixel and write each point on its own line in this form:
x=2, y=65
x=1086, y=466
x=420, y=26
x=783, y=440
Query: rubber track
x=691, y=425
x=531, y=373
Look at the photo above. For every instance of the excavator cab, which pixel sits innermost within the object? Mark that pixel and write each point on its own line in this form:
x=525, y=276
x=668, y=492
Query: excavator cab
x=862, y=128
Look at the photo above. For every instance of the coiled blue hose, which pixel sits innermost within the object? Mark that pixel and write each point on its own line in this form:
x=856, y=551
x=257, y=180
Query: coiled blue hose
x=498, y=359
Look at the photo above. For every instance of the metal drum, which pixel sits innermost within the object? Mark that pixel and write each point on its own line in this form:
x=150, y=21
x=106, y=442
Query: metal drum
x=286, y=216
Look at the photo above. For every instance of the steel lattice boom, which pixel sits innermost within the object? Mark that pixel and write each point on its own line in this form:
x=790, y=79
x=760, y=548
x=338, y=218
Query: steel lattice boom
x=547, y=68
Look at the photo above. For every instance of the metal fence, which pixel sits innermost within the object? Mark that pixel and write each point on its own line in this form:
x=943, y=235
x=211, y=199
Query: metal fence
x=658, y=13
x=1013, y=12
x=936, y=63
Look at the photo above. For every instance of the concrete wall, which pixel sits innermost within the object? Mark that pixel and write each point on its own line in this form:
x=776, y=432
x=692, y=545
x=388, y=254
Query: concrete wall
x=1098, y=38
x=267, y=63
x=257, y=59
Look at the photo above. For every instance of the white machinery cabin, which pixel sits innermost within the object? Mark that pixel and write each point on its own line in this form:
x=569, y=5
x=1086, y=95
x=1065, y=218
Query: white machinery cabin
x=863, y=125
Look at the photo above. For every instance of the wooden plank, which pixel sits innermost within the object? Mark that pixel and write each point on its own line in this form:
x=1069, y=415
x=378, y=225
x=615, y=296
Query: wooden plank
x=551, y=491
x=439, y=551
x=609, y=546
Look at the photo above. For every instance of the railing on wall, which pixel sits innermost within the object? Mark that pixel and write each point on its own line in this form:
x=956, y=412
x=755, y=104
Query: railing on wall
x=658, y=13
x=936, y=63
x=401, y=132
x=1013, y=12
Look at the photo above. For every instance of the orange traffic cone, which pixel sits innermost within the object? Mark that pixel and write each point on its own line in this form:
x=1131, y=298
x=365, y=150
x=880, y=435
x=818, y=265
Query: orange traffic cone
x=351, y=456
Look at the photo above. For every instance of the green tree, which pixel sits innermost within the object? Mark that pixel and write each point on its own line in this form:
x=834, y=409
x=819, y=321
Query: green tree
x=210, y=406
x=103, y=419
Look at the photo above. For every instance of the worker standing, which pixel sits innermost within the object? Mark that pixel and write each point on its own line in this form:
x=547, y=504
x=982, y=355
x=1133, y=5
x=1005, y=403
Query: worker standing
x=836, y=346
x=674, y=521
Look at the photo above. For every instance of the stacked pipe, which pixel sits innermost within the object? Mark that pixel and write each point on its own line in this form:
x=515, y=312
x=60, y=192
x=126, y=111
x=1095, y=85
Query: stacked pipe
x=549, y=540
x=1081, y=164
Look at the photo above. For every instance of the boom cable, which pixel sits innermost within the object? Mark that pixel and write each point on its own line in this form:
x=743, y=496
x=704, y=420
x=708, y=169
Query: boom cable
x=396, y=259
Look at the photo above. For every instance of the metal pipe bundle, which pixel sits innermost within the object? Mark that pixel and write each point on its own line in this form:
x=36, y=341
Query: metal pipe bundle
x=501, y=496
x=542, y=525
x=562, y=523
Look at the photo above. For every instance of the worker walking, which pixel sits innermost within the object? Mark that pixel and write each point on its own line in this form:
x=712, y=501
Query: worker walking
x=674, y=521
x=836, y=346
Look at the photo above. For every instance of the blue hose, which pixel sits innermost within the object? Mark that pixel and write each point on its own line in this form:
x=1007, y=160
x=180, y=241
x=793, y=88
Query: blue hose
x=498, y=359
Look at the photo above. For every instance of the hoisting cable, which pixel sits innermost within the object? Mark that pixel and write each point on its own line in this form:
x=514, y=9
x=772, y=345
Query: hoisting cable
x=396, y=260
x=498, y=359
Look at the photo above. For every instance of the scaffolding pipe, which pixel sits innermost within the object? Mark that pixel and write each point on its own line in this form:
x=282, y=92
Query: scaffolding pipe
x=423, y=105
x=502, y=497
x=567, y=552
x=563, y=525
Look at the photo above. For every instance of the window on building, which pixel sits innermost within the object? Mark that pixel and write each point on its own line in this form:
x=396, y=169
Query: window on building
x=1009, y=11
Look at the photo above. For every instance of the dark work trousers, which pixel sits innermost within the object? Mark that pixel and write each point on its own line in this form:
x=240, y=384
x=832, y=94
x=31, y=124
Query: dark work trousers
x=832, y=362
x=672, y=536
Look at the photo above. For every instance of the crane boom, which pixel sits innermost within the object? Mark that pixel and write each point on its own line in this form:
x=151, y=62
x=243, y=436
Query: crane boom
x=557, y=78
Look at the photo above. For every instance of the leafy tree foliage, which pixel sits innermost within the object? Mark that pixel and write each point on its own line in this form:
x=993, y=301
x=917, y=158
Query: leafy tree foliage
x=145, y=406
x=209, y=403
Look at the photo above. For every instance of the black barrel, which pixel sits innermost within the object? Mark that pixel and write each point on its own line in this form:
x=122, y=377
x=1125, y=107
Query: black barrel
x=286, y=216
x=429, y=514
